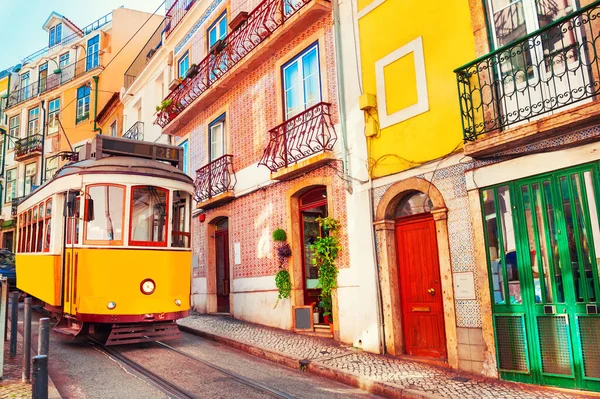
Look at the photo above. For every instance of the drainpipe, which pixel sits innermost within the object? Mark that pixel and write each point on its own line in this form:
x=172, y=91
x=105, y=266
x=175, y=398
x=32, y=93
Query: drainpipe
x=6, y=136
x=96, y=128
x=43, y=165
x=341, y=91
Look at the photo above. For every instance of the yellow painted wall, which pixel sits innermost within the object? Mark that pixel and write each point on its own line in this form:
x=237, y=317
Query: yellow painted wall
x=3, y=85
x=448, y=42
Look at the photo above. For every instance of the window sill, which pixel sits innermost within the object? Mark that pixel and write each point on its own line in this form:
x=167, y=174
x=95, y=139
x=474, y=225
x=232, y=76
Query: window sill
x=85, y=118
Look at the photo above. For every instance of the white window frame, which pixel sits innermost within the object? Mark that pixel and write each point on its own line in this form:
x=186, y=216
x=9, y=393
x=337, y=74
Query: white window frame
x=33, y=121
x=14, y=130
x=216, y=26
x=185, y=58
x=53, y=116
x=13, y=185
x=219, y=122
x=297, y=60
x=31, y=176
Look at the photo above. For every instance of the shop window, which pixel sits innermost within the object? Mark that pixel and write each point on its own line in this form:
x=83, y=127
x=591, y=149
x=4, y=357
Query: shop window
x=302, y=82
x=149, y=215
x=501, y=246
x=107, y=205
x=181, y=220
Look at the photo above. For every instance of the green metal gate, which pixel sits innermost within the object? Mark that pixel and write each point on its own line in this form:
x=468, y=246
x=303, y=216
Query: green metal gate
x=543, y=247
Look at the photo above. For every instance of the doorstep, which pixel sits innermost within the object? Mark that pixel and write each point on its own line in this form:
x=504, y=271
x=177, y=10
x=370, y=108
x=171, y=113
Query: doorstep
x=379, y=374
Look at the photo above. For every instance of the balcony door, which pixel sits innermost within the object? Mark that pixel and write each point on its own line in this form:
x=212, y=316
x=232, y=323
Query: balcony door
x=543, y=73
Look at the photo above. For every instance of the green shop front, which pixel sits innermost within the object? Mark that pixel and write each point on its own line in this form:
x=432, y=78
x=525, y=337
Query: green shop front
x=543, y=250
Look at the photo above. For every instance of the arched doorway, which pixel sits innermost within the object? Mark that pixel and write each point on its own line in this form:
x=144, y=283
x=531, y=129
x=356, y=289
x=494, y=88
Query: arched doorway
x=312, y=205
x=419, y=275
x=221, y=236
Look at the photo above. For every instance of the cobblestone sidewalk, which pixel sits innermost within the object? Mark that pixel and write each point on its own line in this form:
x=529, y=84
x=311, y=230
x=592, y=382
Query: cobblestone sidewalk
x=414, y=378
x=11, y=386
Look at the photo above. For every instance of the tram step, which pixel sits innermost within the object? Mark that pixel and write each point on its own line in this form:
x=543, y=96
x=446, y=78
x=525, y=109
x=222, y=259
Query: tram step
x=122, y=334
x=68, y=326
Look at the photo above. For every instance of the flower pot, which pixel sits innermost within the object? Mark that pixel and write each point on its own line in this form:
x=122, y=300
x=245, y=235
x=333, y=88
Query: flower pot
x=331, y=328
x=326, y=319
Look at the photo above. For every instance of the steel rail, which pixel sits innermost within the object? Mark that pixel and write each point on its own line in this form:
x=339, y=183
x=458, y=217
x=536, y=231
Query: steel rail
x=166, y=387
x=246, y=381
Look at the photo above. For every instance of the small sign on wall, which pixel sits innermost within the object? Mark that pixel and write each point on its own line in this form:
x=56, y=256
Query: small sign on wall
x=237, y=253
x=464, y=285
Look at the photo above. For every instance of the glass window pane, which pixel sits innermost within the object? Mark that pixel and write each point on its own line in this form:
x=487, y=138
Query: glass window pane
x=223, y=27
x=493, y=246
x=292, y=87
x=553, y=232
x=594, y=220
x=536, y=258
x=181, y=220
x=544, y=242
x=108, y=213
x=212, y=37
x=310, y=74
x=149, y=215
x=217, y=142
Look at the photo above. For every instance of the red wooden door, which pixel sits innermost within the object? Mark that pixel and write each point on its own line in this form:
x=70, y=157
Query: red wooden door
x=420, y=287
x=222, y=255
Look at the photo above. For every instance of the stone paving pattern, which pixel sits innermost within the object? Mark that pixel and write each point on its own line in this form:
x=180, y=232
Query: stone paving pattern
x=408, y=374
x=11, y=386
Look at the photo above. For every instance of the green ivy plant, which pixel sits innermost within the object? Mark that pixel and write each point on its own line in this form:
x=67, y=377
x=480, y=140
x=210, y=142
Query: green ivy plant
x=164, y=105
x=326, y=250
x=284, y=285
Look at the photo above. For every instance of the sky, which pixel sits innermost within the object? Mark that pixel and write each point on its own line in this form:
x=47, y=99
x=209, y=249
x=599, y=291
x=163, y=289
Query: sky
x=21, y=21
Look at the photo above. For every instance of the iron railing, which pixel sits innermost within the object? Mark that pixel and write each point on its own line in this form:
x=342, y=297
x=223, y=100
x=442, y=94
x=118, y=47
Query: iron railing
x=228, y=52
x=99, y=23
x=135, y=132
x=143, y=58
x=551, y=68
x=176, y=14
x=28, y=145
x=52, y=81
x=306, y=134
x=14, y=206
x=215, y=178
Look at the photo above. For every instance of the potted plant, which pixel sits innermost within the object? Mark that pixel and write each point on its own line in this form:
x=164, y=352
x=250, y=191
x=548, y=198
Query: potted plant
x=327, y=306
x=192, y=71
x=164, y=104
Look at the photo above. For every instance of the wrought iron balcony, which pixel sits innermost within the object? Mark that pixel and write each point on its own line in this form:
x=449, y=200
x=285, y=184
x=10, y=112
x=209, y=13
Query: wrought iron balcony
x=300, y=137
x=28, y=146
x=52, y=81
x=135, y=132
x=262, y=22
x=213, y=180
x=176, y=14
x=555, y=67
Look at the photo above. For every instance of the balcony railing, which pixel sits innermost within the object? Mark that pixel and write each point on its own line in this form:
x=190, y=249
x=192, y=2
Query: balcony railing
x=55, y=79
x=176, y=14
x=554, y=67
x=306, y=134
x=28, y=145
x=143, y=58
x=70, y=39
x=135, y=132
x=215, y=178
x=227, y=53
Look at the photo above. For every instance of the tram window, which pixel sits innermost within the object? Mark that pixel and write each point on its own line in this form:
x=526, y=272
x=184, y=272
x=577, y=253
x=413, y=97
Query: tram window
x=180, y=230
x=73, y=224
x=40, y=230
x=108, y=202
x=48, y=219
x=149, y=215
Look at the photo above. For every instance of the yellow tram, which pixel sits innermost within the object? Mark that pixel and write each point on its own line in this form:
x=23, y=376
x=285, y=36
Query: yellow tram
x=105, y=250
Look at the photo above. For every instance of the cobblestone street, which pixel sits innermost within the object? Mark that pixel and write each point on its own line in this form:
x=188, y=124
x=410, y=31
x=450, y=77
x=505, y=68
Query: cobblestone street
x=415, y=377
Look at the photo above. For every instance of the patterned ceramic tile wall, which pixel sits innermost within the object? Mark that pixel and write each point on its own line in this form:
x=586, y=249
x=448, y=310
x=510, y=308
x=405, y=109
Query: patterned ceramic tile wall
x=198, y=32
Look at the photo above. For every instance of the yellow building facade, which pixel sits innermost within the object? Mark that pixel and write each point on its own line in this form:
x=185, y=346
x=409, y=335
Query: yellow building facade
x=408, y=50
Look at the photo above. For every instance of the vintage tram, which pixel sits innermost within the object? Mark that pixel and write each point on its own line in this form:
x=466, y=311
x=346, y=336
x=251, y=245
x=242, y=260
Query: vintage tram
x=106, y=243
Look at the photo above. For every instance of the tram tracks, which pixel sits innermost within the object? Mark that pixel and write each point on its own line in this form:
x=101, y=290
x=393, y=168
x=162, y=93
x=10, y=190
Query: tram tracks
x=175, y=391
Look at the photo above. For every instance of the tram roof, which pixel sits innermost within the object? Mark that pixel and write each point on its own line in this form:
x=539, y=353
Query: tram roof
x=124, y=165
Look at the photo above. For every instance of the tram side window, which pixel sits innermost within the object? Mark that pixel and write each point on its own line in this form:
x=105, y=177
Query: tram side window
x=106, y=227
x=21, y=232
x=40, y=229
x=149, y=215
x=180, y=229
x=73, y=224
x=47, y=220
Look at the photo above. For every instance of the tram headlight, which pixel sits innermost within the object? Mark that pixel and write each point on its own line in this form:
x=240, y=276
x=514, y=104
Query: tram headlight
x=111, y=305
x=178, y=302
x=148, y=286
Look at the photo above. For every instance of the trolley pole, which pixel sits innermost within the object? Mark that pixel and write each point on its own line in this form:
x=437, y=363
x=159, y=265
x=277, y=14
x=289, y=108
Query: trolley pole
x=14, y=323
x=27, y=341
x=39, y=383
x=44, y=336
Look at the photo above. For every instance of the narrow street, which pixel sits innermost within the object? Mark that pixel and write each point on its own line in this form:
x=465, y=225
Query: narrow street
x=82, y=370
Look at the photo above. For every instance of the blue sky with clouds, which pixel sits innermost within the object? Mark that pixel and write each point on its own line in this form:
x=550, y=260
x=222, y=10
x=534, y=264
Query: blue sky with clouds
x=21, y=21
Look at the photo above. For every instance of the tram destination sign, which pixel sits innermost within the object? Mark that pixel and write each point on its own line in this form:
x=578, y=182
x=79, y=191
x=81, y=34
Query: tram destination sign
x=104, y=146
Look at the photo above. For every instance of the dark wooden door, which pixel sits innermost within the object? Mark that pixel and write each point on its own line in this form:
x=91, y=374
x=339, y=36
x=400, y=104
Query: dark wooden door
x=222, y=261
x=420, y=287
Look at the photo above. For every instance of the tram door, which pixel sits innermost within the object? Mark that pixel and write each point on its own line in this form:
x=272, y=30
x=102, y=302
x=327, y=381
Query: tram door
x=71, y=261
